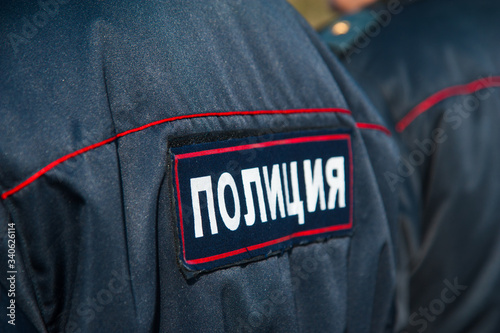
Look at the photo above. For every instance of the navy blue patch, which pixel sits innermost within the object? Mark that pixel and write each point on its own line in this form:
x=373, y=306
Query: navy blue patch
x=245, y=199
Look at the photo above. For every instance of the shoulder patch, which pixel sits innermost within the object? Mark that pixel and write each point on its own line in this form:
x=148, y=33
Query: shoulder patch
x=245, y=199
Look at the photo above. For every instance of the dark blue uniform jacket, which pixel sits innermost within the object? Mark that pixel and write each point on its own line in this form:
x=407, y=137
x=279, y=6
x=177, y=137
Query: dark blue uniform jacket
x=188, y=166
x=433, y=70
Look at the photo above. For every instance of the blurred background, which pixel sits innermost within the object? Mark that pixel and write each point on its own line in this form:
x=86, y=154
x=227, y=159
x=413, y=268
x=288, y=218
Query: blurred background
x=317, y=12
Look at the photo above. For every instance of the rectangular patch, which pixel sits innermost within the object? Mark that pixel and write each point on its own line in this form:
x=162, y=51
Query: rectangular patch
x=245, y=199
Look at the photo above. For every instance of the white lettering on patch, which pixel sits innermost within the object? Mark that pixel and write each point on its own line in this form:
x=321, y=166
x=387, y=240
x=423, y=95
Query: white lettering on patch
x=281, y=186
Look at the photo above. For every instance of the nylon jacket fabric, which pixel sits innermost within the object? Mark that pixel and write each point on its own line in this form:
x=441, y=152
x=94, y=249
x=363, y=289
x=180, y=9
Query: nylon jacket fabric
x=112, y=84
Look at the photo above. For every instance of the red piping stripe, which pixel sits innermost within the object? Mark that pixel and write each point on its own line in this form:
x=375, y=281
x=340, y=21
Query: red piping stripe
x=374, y=127
x=263, y=145
x=271, y=242
x=55, y=163
x=465, y=89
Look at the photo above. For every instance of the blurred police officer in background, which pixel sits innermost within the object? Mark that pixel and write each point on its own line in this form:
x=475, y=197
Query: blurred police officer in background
x=188, y=166
x=432, y=69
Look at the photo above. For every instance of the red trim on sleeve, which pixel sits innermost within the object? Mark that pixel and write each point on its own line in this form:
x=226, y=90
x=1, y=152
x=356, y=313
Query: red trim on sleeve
x=55, y=163
x=374, y=127
x=465, y=89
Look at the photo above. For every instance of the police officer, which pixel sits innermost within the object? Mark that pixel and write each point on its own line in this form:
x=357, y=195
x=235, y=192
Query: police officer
x=188, y=166
x=431, y=68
